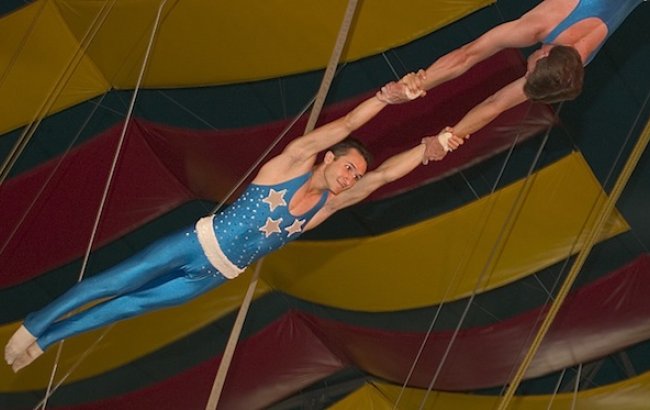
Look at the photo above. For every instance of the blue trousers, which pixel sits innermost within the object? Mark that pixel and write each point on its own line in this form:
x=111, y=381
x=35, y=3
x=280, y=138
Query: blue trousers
x=168, y=272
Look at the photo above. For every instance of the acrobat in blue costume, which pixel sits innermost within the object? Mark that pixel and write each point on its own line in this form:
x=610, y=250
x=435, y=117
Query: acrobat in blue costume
x=180, y=266
x=610, y=12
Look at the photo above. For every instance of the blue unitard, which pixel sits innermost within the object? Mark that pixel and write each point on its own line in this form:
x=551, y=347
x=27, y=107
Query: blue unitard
x=180, y=266
x=610, y=12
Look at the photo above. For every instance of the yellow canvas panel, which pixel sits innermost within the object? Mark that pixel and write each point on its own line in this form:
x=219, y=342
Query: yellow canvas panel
x=365, y=397
x=199, y=42
x=40, y=74
x=206, y=42
x=444, y=257
x=631, y=394
x=127, y=341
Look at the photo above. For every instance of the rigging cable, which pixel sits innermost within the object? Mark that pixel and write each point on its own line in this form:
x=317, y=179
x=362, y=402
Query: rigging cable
x=108, y=182
x=593, y=233
x=54, y=93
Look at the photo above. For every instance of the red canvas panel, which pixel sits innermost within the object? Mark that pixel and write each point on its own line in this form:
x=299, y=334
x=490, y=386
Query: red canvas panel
x=281, y=359
x=596, y=320
x=299, y=349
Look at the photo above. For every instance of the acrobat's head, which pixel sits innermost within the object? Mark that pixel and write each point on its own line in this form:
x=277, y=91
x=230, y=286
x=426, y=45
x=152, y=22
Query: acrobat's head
x=344, y=164
x=554, y=74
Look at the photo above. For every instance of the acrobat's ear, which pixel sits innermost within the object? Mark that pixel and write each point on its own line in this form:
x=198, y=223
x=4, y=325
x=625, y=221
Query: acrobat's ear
x=329, y=157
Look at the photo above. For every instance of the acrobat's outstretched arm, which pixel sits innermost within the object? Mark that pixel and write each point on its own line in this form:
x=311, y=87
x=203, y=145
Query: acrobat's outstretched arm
x=513, y=34
x=329, y=134
x=301, y=153
x=390, y=170
x=522, y=32
x=509, y=96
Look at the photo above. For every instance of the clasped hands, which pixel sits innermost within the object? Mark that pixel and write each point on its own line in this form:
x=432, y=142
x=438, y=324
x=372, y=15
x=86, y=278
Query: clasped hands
x=437, y=146
x=407, y=89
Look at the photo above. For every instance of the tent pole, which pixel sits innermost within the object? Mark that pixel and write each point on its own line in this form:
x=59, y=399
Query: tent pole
x=217, y=386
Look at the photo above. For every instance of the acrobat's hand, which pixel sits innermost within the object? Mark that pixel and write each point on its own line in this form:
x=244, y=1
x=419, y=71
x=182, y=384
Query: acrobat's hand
x=439, y=145
x=449, y=140
x=414, y=84
x=407, y=89
x=434, y=151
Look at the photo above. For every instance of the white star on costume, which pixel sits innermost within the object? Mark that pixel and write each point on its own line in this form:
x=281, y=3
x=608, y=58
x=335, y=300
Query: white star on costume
x=271, y=226
x=296, y=227
x=275, y=199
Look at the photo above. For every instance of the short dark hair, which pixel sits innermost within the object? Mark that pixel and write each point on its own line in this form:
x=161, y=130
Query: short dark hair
x=349, y=143
x=556, y=77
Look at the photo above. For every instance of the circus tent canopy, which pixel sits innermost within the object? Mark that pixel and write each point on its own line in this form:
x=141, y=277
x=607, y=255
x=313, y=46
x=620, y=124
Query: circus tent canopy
x=340, y=313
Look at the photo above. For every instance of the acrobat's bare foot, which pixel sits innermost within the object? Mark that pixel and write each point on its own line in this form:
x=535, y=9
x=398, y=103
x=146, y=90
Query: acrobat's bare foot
x=18, y=343
x=28, y=356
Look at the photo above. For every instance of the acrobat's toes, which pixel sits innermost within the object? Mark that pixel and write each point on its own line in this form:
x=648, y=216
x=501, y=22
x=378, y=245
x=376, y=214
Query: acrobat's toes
x=18, y=343
x=32, y=353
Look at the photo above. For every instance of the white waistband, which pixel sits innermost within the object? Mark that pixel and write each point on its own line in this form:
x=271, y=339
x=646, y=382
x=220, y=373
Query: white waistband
x=212, y=250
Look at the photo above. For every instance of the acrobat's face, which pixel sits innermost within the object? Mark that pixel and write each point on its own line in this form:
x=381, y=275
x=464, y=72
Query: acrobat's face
x=537, y=55
x=343, y=171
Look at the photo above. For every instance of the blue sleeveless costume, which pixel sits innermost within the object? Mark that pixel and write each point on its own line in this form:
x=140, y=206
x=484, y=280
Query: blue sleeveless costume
x=259, y=221
x=610, y=12
x=175, y=269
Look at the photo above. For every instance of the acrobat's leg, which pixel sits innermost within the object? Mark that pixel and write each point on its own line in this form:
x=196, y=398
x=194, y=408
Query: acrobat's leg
x=160, y=257
x=168, y=293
